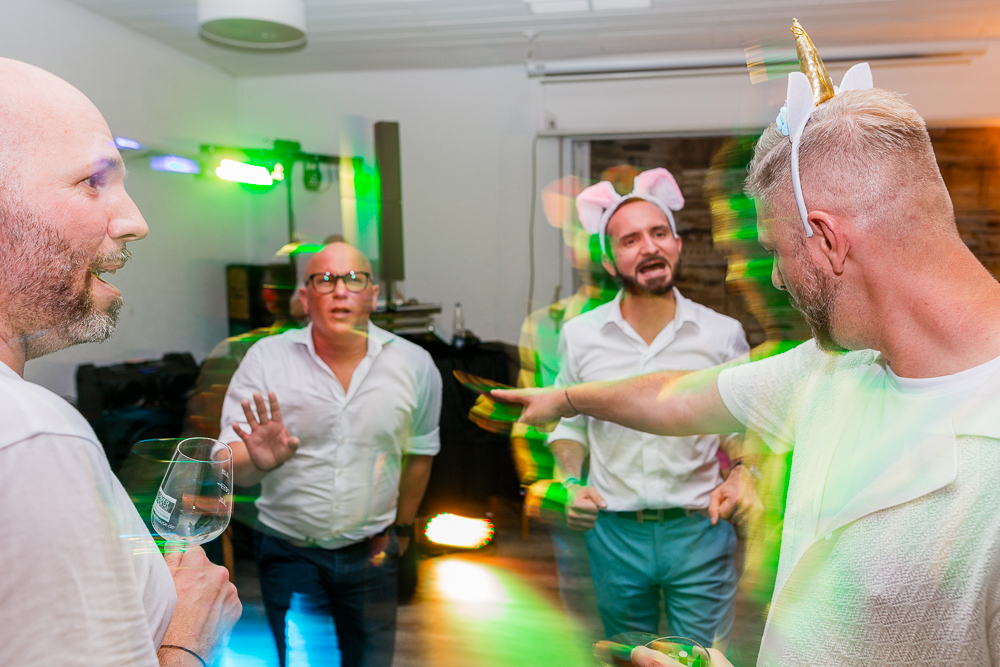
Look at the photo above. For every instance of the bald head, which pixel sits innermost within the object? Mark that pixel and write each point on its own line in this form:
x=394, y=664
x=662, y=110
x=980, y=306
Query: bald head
x=340, y=255
x=34, y=107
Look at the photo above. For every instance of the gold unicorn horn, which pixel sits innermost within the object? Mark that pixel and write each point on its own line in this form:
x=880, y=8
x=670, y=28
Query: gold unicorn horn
x=812, y=65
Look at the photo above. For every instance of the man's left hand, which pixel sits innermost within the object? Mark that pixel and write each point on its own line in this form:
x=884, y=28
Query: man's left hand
x=735, y=499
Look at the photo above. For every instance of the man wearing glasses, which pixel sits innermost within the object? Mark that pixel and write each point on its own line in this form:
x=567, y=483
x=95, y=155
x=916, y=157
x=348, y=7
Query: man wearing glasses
x=343, y=463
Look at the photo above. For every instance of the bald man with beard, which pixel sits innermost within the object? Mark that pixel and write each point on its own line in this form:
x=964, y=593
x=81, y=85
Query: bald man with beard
x=81, y=580
x=890, y=549
x=343, y=461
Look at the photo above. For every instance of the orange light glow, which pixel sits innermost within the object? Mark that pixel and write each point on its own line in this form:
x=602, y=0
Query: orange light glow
x=459, y=531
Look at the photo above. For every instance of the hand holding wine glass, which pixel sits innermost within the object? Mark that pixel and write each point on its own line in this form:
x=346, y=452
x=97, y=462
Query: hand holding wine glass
x=268, y=443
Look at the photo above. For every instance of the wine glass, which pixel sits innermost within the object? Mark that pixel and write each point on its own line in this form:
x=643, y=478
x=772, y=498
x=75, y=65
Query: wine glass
x=685, y=651
x=195, y=499
x=682, y=652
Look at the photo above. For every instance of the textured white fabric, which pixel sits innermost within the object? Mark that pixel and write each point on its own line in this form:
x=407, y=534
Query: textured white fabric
x=630, y=469
x=343, y=482
x=81, y=581
x=889, y=542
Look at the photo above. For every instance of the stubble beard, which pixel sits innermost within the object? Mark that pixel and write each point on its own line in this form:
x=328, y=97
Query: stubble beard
x=47, y=308
x=816, y=298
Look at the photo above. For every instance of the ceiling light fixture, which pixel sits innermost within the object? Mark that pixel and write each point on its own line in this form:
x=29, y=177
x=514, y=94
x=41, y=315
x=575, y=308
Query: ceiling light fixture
x=253, y=24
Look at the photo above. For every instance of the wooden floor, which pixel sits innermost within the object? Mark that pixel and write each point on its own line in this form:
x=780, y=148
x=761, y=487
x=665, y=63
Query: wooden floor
x=497, y=607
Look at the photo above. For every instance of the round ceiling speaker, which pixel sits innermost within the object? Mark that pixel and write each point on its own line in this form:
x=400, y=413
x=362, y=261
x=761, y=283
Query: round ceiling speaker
x=253, y=24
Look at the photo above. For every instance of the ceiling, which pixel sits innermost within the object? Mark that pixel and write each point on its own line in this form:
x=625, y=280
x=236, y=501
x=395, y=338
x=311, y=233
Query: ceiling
x=400, y=34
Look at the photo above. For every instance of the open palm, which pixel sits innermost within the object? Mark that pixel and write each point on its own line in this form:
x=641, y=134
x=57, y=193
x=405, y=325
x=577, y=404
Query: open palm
x=269, y=443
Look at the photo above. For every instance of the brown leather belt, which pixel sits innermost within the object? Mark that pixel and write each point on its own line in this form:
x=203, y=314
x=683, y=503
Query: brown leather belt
x=658, y=516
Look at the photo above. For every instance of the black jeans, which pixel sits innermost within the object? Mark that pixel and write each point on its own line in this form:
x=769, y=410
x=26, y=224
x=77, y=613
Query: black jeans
x=309, y=592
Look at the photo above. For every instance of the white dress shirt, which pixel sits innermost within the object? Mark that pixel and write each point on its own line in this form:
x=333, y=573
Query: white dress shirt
x=630, y=469
x=342, y=484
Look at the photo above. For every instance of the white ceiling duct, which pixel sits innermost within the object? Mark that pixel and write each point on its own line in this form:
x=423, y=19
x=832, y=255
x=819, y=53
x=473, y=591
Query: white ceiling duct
x=253, y=24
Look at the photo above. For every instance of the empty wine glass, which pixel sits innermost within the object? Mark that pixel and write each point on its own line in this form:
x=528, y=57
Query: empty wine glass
x=195, y=499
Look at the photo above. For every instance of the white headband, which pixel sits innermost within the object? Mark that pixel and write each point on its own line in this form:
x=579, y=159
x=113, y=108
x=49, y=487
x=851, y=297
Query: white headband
x=799, y=106
x=598, y=203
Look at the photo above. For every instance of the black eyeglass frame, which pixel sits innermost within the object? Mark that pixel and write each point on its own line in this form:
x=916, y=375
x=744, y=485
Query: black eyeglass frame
x=332, y=278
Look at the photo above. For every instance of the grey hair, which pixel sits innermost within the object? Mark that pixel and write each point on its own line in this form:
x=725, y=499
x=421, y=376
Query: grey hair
x=865, y=154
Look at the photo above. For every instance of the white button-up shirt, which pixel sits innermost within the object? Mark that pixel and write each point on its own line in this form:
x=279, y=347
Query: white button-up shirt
x=630, y=469
x=342, y=484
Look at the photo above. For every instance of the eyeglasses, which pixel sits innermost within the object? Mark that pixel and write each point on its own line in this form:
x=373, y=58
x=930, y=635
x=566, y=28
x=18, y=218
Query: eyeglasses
x=326, y=283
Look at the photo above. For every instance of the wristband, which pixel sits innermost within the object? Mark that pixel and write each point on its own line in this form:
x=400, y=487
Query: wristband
x=186, y=650
x=572, y=481
x=573, y=407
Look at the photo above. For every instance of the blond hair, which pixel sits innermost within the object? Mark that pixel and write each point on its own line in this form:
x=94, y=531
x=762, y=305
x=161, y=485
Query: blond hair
x=865, y=154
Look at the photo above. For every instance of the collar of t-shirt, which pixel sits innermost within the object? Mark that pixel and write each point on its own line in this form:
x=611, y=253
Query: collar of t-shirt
x=9, y=372
x=964, y=381
x=684, y=313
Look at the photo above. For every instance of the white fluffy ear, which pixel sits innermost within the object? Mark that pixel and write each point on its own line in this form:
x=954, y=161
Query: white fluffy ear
x=859, y=77
x=800, y=104
x=592, y=202
x=660, y=184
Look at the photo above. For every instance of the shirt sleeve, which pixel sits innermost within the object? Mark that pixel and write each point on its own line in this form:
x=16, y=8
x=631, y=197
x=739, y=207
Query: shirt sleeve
x=425, y=439
x=765, y=396
x=247, y=379
x=71, y=596
x=569, y=428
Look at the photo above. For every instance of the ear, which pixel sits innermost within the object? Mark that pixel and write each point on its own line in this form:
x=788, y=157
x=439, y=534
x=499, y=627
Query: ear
x=680, y=243
x=609, y=266
x=374, y=297
x=303, y=299
x=830, y=235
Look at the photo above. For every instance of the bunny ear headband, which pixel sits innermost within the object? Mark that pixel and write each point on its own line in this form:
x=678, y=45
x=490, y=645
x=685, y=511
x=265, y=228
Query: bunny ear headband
x=807, y=90
x=598, y=203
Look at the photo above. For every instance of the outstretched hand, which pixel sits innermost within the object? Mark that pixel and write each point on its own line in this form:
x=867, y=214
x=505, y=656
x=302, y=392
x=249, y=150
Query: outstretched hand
x=269, y=443
x=543, y=408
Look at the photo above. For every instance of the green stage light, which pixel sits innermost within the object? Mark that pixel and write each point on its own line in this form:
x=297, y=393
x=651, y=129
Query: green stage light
x=241, y=172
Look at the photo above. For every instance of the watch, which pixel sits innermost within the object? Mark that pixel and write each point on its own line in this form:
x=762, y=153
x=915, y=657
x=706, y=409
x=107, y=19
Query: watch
x=403, y=529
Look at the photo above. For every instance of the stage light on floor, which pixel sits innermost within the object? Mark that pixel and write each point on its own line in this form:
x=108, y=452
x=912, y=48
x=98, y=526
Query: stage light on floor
x=174, y=163
x=241, y=172
x=459, y=531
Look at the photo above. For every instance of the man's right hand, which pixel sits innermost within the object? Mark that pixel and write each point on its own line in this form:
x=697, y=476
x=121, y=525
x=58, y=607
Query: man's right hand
x=582, y=506
x=207, y=605
x=543, y=408
x=269, y=444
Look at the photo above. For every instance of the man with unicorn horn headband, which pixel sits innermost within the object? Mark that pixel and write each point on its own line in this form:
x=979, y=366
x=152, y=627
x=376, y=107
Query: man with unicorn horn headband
x=644, y=501
x=890, y=549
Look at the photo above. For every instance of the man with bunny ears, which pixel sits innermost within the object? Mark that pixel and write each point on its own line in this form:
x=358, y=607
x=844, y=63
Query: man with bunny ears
x=644, y=499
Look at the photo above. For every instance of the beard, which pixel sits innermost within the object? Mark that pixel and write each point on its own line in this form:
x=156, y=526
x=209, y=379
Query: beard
x=48, y=305
x=816, y=298
x=655, y=287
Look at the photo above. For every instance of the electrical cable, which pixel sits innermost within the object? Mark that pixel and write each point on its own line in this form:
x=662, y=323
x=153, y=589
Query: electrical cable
x=531, y=226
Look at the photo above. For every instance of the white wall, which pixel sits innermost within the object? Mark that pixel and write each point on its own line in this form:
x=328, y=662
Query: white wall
x=174, y=286
x=465, y=143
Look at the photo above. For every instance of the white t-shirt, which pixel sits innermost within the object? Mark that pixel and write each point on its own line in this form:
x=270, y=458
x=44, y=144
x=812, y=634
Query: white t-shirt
x=342, y=484
x=891, y=539
x=633, y=470
x=81, y=581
